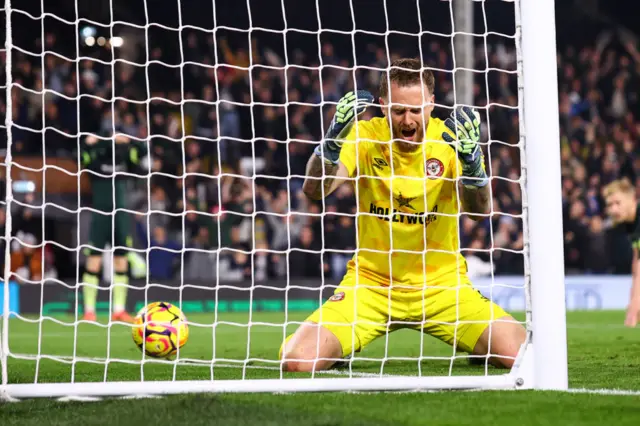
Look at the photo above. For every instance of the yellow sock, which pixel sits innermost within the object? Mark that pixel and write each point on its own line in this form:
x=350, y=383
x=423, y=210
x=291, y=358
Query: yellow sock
x=121, y=285
x=90, y=291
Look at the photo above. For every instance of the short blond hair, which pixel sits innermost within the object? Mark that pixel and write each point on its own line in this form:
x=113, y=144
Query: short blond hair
x=621, y=185
x=407, y=72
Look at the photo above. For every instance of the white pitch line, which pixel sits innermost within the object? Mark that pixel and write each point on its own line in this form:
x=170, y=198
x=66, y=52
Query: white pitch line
x=618, y=392
x=260, y=329
x=587, y=326
x=615, y=392
x=341, y=372
x=116, y=331
x=346, y=373
x=329, y=372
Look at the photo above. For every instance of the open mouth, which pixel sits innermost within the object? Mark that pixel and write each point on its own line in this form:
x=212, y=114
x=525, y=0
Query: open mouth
x=408, y=133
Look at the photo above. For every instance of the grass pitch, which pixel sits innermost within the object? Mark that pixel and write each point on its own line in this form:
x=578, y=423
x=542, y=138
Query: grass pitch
x=602, y=355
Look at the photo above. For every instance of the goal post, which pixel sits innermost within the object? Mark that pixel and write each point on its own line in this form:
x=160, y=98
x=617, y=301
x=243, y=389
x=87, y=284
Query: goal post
x=544, y=196
x=4, y=330
x=42, y=353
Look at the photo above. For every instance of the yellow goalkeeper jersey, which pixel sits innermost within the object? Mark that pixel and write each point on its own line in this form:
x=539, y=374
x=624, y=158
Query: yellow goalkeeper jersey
x=407, y=208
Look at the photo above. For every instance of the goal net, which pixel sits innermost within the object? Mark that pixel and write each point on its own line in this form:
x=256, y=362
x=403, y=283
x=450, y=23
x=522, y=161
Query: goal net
x=224, y=103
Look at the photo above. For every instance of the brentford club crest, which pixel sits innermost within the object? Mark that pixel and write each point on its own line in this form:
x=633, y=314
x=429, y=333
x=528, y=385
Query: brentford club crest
x=434, y=167
x=337, y=297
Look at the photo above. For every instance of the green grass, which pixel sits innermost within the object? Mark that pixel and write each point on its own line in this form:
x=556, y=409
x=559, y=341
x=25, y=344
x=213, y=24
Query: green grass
x=602, y=354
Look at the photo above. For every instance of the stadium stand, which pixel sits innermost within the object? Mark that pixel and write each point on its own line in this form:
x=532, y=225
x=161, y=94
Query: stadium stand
x=598, y=93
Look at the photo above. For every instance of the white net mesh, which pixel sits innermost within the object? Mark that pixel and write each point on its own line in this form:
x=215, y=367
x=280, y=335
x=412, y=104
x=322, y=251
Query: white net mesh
x=229, y=99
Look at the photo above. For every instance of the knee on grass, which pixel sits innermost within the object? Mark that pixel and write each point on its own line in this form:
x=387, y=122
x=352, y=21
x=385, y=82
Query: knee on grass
x=301, y=366
x=310, y=348
x=301, y=361
x=306, y=359
x=505, y=361
x=501, y=344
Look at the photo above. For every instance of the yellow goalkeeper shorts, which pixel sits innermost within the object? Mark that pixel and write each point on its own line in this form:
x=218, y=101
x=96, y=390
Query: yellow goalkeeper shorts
x=452, y=312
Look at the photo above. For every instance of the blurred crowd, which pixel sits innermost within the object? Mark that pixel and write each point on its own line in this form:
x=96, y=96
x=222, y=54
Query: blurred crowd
x=599, y=89
x=229, y=148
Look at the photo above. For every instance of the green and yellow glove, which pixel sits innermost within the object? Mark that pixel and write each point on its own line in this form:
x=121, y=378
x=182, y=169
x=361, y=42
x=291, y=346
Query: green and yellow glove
x=350, y=105
x=464, y=122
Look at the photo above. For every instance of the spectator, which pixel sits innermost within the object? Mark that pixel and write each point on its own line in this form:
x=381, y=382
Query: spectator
x=199, y=263
x=341, y=234
x=26, y=258
x=163, y=252
x=204, y=121
x=596, y=257
x=305, y=260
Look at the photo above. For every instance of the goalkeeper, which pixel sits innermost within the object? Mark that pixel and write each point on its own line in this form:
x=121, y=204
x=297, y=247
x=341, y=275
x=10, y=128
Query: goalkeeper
x=412, y=170
x=624, y=211
x=109, y=226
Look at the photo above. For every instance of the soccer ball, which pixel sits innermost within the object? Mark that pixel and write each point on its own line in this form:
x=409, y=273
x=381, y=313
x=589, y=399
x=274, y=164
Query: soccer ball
x=159, y=329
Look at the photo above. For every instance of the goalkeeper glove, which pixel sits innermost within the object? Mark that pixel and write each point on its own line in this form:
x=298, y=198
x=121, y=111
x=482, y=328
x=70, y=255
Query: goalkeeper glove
x=464, y=122
x=351, y=105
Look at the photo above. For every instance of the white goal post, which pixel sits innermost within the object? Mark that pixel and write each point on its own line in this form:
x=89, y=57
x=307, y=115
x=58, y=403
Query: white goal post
x=542, y=360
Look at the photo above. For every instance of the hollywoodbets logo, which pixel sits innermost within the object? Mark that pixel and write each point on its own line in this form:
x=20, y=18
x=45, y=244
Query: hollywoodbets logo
x=383, y=213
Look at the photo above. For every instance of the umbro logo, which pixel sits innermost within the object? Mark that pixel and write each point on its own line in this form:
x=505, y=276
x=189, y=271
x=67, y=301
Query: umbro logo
x=379, y=163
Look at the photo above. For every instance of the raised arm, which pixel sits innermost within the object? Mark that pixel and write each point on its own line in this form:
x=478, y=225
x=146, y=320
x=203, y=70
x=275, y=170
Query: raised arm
x=322, y=179
x=476, y=200
x=464, y=125
x=325, y=172
x=634, y=298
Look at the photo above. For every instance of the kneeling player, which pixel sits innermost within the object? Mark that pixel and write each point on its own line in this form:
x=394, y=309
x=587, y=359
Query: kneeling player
x=408, y=272
x=622, y=207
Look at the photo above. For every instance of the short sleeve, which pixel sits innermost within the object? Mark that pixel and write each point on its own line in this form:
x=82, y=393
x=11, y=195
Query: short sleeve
x=348, y=154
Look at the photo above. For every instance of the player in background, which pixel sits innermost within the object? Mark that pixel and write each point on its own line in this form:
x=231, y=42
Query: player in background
x=622, y=208
x=411, y=175
x=107, y=156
